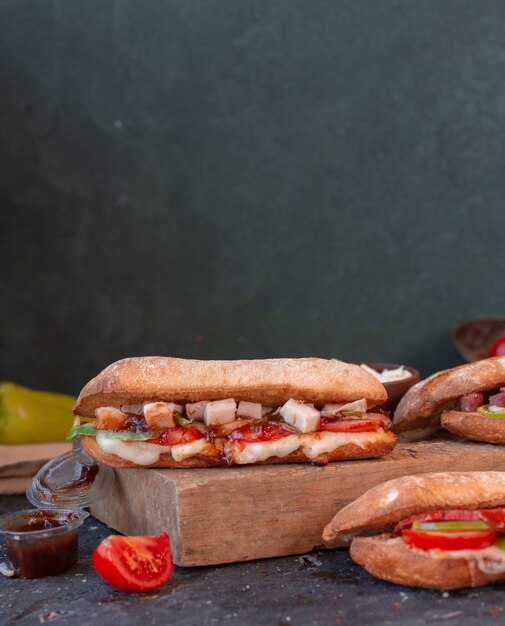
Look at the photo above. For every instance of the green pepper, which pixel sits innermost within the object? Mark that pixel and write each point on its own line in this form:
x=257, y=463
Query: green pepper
x=500, y=542
x=356, y=413
x=470, y=525
x=28, y=416
x=125, y=435
x=182, y=421
x=483, y=410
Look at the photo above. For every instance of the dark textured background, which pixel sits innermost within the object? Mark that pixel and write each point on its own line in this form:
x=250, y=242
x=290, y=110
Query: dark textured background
x=247, y=179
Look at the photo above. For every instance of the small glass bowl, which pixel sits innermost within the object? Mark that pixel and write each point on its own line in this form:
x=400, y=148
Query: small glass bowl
x=41, y=542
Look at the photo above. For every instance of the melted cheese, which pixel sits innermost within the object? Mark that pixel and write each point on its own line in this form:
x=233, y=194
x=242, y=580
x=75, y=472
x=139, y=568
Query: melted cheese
x=144, y=453
x=327, y=442
x=313, y=445
x=137, y=452
x=261, y=451
x=185, y=450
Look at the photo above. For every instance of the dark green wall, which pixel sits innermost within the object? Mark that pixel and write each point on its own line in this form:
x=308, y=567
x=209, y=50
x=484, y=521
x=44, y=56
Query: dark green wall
x=210, y=178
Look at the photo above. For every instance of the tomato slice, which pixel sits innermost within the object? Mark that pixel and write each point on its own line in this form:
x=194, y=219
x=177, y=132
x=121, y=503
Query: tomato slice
x=449, y=539
x=496, y=516
x=258, y=433
x=498, y=348
x=351, y=426
x=176, y=436
x=134, y=563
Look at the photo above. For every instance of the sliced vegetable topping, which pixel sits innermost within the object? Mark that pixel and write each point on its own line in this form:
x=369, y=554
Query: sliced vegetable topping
x=484, y=410
x=182, y=421
x=452, y=526
x=87, y=429
x=495, y=517
x=449, y=539
x=351, y=426
x=258, y=433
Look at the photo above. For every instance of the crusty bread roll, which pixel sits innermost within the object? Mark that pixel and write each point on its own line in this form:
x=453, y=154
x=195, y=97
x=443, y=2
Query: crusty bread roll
x=424, y=403
x=390, y=558
x=270, y=381
x=396, y=562
x=474, y=426
x=386, y=504
x=385, y=443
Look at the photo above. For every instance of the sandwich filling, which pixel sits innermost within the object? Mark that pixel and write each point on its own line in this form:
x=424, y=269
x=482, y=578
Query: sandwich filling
x=229, y=432
x=472, y=534
x=490, y=405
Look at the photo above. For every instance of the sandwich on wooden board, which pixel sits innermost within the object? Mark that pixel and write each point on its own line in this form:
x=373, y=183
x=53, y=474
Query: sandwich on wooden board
x=438, y=531
x=168, y=412
x=468, y=400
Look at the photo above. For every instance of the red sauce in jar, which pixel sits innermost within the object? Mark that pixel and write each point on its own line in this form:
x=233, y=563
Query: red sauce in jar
x=38, y=555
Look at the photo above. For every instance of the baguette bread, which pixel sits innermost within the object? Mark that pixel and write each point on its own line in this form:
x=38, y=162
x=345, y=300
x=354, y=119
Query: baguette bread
x=385, y=443
x=391, y=558
x=395, y=562
x=387, y=503
x=270, y=381
x=424, y=403
x=474, y=426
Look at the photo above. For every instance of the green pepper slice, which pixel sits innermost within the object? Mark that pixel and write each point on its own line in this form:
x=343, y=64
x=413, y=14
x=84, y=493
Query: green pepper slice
x=182, y=421
x=87, y=429
x=484, y=411
x=467, y=525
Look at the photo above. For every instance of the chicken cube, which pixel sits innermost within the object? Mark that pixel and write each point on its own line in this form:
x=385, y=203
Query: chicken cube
x=249, y=409
x=195, y=410
x=161, y=414
x=220, y=412
x=109, y=418
x=303, y=417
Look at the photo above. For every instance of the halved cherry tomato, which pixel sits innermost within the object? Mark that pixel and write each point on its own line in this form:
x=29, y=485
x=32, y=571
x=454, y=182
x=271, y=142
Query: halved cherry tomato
x=496, y=516
x=176, y=436
x=134, y=563
x=351, y=426
x=449, y=539
x=498, y=348
x=258, y=433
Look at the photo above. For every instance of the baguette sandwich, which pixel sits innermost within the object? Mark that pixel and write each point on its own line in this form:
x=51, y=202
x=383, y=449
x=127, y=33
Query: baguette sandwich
x=468, y=400
x=439, y=531
x=167, y=412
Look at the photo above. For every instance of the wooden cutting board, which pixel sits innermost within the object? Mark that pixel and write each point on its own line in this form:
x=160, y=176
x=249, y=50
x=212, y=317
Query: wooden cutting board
x=222, y=515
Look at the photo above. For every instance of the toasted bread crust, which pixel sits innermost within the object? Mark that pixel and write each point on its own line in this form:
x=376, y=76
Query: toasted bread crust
x=394, y=500
x=474, y=426
x=343, y=453
x=423, y=403
x=397, y=563
x=269, y=381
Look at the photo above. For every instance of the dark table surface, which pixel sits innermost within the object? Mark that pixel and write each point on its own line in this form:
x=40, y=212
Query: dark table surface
x=321, y=588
